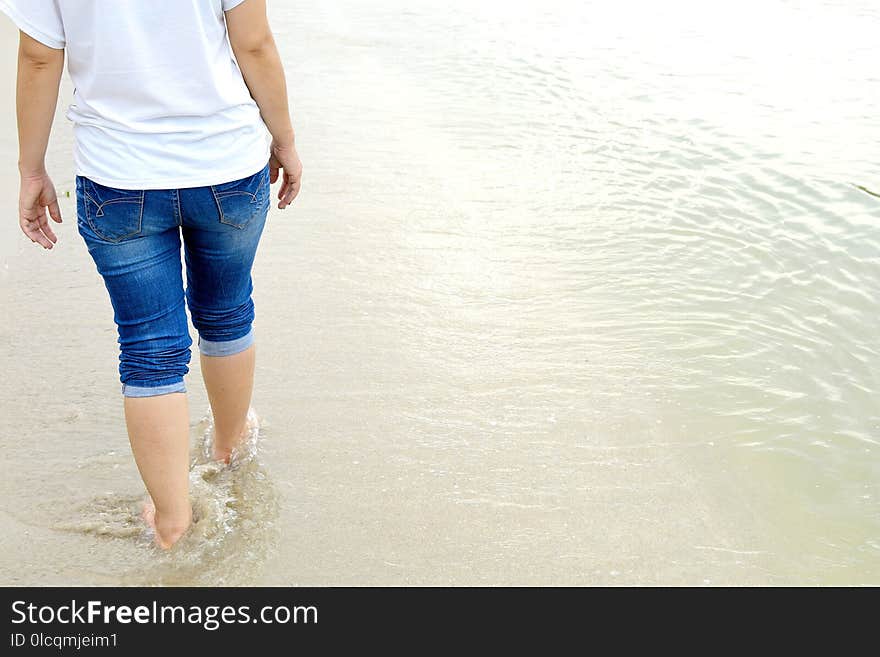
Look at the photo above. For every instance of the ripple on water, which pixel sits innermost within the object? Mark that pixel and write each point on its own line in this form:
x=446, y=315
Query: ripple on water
x=234, y=509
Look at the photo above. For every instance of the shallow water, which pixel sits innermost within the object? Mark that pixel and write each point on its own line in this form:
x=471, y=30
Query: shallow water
x=576, y=293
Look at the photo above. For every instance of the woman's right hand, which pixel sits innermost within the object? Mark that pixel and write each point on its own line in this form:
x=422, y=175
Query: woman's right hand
x=284, y=156
x=37, y=196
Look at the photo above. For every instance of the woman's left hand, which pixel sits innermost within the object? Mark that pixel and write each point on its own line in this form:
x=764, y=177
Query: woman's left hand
x=37, y=202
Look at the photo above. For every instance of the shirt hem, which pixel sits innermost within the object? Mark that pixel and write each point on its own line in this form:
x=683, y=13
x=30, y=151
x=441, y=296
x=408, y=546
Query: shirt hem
x=231, y=4
x=177, y=183
x=30, y=29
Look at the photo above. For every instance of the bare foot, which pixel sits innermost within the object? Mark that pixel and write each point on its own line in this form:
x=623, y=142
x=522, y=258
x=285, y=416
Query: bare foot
x=166, y=534
x=148, y=513
x=224, y=454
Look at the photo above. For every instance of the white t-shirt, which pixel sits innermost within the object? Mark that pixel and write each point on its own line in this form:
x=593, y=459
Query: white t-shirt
x=159, y=100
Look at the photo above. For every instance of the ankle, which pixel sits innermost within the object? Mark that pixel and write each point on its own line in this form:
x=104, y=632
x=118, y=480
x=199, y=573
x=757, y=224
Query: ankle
x=224, y=446
x=170, y=527
x=223, y=454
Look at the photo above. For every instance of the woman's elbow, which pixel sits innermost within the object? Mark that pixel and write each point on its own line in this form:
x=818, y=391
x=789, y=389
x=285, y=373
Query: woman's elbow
x=253, y=45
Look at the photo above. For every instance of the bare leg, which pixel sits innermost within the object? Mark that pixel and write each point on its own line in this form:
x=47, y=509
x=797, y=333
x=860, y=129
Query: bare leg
x=230, y=384
x=158, y=429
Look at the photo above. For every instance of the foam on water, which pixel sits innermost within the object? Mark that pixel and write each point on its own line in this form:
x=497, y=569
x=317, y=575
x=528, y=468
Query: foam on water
x=613, y=320
x=234, y=507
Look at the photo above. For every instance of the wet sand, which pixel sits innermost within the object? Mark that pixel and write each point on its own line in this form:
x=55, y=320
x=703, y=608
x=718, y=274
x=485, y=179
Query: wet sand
x=546, y=313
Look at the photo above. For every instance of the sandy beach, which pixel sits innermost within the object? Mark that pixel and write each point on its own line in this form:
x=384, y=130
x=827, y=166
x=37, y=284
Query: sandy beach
x=574, y=294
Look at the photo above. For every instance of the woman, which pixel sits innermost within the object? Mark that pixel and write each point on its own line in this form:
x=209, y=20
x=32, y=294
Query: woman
x=174, y=138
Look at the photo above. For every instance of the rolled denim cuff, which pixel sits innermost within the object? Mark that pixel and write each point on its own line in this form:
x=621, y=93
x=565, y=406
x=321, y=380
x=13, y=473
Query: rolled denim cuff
x=229, y=348
x=129, y=390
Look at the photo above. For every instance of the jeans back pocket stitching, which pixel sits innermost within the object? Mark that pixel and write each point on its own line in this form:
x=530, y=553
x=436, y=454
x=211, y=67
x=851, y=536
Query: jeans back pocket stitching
x=101, y=206
x=89, y=220
x=254, y=195
x=221, y=195
x=218, y=203
x=228, y=194
x=134, y=198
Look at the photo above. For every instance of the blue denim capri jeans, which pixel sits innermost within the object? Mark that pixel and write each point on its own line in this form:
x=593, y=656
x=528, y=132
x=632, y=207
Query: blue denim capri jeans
x=134, y=237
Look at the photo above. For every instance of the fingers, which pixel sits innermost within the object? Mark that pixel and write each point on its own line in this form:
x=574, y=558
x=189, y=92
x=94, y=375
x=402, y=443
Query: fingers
x=289, y=190
x=283, y=193
x=274, y=168
x=37, y=203
x=46, y=227
x=39, y=231
x=55, y=211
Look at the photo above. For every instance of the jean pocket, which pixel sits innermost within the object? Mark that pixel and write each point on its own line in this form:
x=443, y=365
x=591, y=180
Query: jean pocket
x=241, y=200
x=113, y=214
